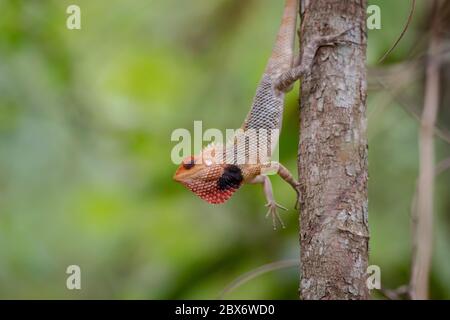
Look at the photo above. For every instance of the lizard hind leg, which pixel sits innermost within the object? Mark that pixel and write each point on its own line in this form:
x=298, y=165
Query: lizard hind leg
x=304, y=64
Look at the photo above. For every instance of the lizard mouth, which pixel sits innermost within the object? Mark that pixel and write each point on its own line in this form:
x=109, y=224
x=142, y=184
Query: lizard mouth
x=180, y=176
x=177, y=178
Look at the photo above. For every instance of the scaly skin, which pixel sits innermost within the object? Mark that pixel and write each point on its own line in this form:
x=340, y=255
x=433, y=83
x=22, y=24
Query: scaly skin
x=220, y=170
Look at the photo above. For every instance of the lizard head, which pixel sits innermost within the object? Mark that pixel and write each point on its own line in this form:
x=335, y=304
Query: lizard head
x=211, y=181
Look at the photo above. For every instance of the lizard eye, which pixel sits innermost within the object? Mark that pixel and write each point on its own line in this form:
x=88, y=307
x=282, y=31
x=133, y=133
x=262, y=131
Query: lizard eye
x=189, y=163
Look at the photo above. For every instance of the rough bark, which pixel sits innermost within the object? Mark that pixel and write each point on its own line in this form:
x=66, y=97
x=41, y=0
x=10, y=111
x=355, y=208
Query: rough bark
x=333, y=152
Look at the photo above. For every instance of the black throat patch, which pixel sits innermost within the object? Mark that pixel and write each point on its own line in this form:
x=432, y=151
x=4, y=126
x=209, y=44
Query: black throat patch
x=231, y=178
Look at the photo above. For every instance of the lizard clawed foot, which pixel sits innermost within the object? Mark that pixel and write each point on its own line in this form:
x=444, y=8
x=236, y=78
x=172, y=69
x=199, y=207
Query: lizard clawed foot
x=334, y=39
x=273, y=211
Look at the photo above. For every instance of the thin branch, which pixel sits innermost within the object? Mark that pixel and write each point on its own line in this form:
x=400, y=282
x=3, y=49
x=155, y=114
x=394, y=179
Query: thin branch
x=442, y=166
x=408, y=22
x=239, y=281
x=405, y=290
x=408, y=70
x=395, y=294
x=423, y=214
x=439, y=132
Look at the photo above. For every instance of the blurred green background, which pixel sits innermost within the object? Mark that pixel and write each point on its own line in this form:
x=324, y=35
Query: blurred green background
x=86, y=118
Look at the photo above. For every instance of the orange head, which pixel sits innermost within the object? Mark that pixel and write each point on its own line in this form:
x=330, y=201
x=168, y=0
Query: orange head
x=214, y=183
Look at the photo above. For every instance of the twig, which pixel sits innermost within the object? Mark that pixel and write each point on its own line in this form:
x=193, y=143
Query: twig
x=239, y=281
x=423, y=213
x=411, y=13
x=405, y=290
x=395, y=294
x=443, y=135
x=442, y=166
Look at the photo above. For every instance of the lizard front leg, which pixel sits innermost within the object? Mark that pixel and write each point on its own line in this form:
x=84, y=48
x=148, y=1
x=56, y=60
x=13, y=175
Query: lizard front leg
x=271, y=203
x=286, y=175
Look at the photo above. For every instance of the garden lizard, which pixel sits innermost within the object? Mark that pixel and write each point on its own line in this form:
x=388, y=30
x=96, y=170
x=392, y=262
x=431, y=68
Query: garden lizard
x=216, y=173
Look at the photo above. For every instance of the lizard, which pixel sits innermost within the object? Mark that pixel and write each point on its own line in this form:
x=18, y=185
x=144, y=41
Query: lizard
x=215, y=180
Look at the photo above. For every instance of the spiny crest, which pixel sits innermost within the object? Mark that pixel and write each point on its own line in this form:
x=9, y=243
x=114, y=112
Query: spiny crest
x=209, y=150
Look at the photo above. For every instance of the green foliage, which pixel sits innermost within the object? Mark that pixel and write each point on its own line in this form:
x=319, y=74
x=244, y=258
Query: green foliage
x=85, y=171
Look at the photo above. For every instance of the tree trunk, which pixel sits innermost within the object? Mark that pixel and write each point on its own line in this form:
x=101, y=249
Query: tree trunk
x=333, y=150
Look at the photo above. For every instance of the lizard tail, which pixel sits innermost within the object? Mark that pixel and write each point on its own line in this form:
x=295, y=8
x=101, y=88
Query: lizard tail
x=283, y=51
